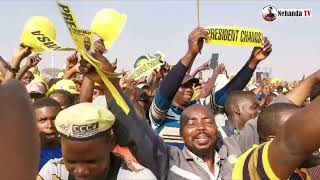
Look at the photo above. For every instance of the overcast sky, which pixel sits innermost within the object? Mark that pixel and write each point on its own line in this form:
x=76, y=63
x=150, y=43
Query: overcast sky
x=164, y=25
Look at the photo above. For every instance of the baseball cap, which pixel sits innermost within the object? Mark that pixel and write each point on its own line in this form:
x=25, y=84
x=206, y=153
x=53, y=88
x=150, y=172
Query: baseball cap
x=84, y=121
x=35, y=87
x=188, y=80
x=68, y=85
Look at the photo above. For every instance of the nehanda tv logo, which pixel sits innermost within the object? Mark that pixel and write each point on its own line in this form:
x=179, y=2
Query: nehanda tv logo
x=270, y=13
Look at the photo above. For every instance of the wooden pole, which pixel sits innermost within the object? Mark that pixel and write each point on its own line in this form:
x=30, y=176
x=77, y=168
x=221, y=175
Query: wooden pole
x=198, y=14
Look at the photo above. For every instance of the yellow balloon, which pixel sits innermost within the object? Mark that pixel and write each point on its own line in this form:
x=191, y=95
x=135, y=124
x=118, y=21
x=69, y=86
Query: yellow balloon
x=37, y=23
x=108, y=25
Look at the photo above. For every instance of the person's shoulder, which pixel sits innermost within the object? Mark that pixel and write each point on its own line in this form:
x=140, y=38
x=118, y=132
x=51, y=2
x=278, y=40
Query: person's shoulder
x=248, y=136
x=255, y=163
x=250, y=128
x=174, y=151
x=54, y=168
x=53, y=163
x=176, y=154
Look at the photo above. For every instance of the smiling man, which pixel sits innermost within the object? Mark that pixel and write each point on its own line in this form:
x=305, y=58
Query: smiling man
x=199, y=132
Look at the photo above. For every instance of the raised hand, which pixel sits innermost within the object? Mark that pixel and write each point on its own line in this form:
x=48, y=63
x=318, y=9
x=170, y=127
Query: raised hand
x=22, y=52
x=261, y=53
x=72, y=60
x=220, y=69
x=159, y=74
x=196, y=39
x=204, y=66
x=33, y=60
x=89, y=71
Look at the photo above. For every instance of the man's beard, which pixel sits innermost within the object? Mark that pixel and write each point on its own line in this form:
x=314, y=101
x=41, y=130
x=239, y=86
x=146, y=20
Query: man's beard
x=203, y=152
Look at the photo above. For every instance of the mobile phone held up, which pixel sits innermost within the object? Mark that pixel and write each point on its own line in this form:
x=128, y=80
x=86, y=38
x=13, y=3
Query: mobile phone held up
x=214, y=60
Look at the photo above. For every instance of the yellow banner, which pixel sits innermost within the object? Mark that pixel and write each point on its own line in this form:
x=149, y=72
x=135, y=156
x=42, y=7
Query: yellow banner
x=47, y=43
x=145, y=69
x=78, y=36
x=235, y=36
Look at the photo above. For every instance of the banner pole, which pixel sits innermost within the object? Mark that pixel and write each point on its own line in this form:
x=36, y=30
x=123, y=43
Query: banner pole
x=198, y=14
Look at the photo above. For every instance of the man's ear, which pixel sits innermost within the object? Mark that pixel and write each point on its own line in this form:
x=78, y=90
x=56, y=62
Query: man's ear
x=235, y=109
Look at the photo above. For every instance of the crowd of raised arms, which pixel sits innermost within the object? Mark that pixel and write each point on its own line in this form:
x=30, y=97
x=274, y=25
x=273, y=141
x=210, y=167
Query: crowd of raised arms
x=179, y=126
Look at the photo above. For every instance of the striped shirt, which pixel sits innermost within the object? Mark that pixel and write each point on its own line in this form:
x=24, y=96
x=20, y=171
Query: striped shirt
x=254, y=164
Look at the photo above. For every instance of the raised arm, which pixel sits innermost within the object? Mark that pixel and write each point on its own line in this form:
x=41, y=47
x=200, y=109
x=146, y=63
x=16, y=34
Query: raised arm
x=86, y=90
x=171, y=83
x=156, y=79
x=208, y=86
x=32, y=61
x=69, y=74
x=299, y=94
x=131, y=91
x=242, y=78
x=296, y=141
x=21, y=53
x=177, y=73
x=71, y=70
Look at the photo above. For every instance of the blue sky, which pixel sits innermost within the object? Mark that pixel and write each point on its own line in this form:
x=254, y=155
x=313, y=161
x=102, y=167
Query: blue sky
x=164, y=25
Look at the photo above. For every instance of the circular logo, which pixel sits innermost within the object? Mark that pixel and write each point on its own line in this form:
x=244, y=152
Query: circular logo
x=269, y=13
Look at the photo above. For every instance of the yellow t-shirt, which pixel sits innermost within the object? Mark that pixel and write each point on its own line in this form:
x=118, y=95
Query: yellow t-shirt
x=254, y=164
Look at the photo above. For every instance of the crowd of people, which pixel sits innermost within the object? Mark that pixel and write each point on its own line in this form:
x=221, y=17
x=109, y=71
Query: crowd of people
x=178, y=127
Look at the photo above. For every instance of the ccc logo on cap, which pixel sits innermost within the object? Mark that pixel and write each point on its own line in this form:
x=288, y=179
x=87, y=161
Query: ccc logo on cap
x=85, y=130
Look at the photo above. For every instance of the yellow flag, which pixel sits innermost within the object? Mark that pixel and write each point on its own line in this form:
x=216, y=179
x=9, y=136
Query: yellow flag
x=78, y=39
